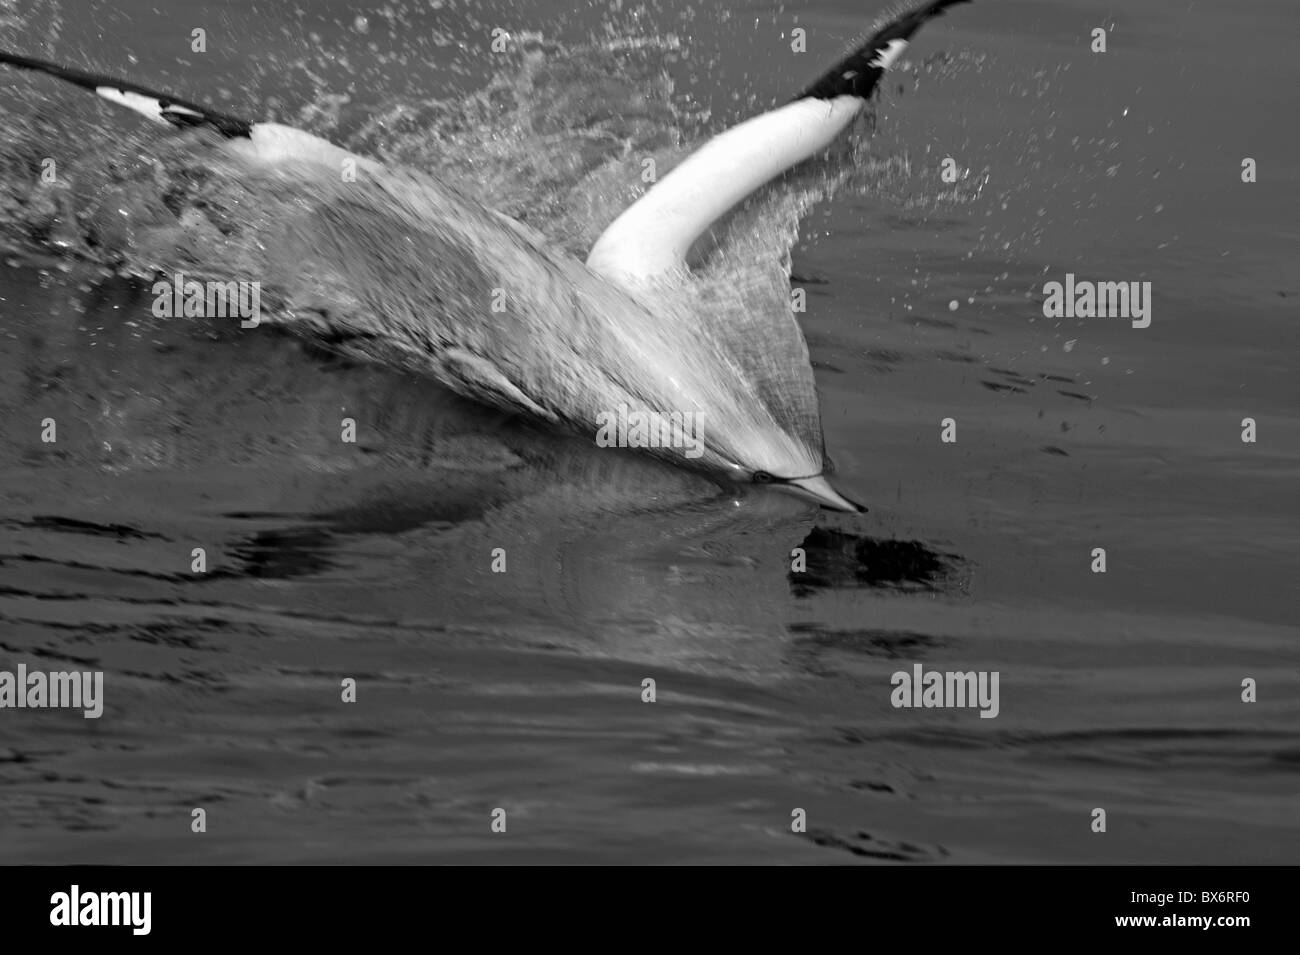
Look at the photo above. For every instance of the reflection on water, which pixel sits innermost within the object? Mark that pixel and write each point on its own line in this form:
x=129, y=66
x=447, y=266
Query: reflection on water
x=839, y=559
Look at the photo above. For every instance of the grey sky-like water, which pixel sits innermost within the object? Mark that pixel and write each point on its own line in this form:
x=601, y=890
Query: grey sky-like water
x=522, y=690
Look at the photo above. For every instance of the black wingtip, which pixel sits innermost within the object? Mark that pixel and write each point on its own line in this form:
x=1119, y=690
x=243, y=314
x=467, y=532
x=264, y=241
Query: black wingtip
x=177, y=112
x=858, y=73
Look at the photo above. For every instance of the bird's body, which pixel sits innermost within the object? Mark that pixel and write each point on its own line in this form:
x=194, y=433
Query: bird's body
x=489, y=307
x=498, y=313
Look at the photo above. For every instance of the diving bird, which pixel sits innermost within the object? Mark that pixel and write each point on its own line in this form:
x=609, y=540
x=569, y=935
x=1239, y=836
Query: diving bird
x=626, y=332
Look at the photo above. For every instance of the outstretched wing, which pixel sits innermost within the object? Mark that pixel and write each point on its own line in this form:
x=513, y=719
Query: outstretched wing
x=159, y=107
x=267, y=142
x=653, y=236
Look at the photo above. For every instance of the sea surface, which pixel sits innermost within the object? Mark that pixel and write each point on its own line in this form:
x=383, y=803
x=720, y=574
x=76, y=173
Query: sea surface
x=522, y=690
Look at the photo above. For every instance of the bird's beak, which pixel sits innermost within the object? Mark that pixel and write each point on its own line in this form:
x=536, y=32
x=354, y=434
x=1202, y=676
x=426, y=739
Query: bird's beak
x=819, y=491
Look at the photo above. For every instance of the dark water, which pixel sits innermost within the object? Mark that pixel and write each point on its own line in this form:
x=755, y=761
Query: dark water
x=522, y=690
